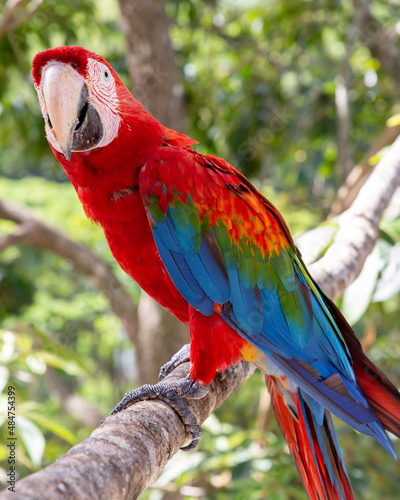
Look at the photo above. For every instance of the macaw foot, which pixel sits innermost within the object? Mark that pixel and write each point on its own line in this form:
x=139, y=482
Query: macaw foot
x=172, y=394
x=182, y=356
x=229, y=371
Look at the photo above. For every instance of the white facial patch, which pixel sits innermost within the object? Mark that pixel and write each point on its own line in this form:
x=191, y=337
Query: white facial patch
x=103, y=97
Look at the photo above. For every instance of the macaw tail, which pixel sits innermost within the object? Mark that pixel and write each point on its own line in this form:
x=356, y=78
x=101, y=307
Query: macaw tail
x=380, y=393
x=311, y=438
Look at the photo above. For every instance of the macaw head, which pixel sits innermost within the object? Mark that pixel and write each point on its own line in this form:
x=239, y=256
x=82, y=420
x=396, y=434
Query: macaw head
x=83, y=101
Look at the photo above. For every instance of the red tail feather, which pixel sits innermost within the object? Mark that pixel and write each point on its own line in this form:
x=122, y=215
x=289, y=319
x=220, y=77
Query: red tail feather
x=312, y=468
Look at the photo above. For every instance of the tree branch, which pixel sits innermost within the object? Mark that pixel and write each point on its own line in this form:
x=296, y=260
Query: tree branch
x=359, y=227
x=382, y=44
x=31, y=231
x=128, y=451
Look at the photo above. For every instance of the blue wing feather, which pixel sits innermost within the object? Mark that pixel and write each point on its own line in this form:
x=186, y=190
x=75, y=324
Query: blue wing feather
x=183, y=278
x=208, y=272
x=246, y=303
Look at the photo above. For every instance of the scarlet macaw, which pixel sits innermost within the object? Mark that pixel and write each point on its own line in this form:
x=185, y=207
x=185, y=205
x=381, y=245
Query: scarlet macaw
x=201, y=240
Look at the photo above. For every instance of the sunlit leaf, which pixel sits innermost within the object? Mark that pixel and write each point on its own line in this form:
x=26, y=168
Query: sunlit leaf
x=53, y=426
x=69, y=366
x=376, y=158
x=7, y=346
x=393, y=121
x=358, y=295
x=4, y=374
x=32, y=438
x=314, y=243
x=389, y=283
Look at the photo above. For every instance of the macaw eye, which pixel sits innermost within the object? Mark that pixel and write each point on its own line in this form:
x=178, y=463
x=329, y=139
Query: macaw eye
x=106, y=75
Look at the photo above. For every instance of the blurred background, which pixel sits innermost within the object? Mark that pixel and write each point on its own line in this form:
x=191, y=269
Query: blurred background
x=302, y=97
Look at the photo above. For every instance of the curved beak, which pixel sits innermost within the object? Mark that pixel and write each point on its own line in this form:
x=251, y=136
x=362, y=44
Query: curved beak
x=65, y=94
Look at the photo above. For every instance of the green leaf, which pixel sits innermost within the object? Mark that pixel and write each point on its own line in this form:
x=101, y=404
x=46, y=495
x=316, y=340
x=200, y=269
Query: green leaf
x=54, y=427
x=394, y=120
x=32, y=438
x=389, y=282
x=314, y=243
x=358, y=295
x=4, y=374
x=69, y=366
x=376, y=158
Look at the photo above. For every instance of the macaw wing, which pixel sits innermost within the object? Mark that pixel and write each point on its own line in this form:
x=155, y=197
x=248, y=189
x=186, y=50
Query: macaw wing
x=223, y=243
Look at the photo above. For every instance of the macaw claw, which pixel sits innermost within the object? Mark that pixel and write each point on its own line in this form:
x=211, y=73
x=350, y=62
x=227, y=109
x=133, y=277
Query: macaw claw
x=172, y=394
x=182, y=356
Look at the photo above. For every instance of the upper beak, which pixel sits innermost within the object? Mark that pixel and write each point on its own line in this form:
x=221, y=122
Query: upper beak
x=65, y=93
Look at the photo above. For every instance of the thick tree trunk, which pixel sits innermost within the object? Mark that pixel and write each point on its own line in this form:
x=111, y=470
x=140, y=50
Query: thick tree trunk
x=160, y=335
x=151, y=61
x=380, y=41
x=382, y=44
x=157, y=84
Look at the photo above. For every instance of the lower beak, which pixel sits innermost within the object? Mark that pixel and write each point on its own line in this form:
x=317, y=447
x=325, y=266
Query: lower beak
x=65, y=94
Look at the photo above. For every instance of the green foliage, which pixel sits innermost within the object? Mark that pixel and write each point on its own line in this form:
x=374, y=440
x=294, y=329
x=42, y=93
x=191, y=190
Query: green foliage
x=261, y=79
x=15, y=290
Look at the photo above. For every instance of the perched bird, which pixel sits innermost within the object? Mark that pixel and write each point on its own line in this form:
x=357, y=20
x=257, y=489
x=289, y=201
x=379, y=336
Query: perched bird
x=202, y=241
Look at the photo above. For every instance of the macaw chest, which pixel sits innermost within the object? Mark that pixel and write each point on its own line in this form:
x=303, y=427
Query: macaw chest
x=131, y=241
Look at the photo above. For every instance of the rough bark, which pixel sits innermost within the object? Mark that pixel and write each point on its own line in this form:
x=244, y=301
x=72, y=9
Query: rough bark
x=31, y=231
x=127, y=452
x=359, y=227
x=157, y=84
